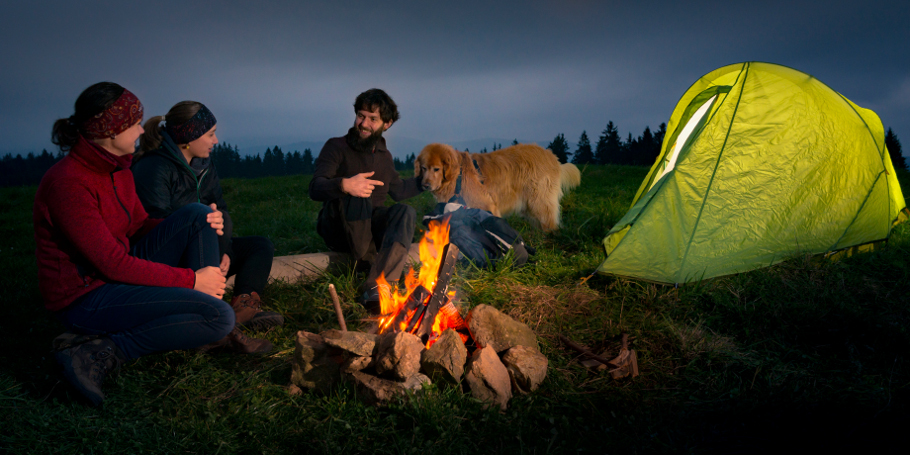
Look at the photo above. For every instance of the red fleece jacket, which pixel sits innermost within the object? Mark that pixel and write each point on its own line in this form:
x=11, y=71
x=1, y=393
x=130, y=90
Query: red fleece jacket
x=86, y=213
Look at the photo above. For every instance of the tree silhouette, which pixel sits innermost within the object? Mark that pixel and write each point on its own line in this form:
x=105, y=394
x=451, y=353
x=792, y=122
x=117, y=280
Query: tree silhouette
x=894, y=149
x=560, y=148
x=307, y=158
x=583, y=154
x=515, y=141
x=609, y=146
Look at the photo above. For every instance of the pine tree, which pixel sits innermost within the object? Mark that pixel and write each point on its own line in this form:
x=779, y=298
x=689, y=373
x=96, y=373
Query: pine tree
x=308, y=167
x=515, y=141
x=894, y=149
x=609, y=146
x=560, y=148
x=583, y=154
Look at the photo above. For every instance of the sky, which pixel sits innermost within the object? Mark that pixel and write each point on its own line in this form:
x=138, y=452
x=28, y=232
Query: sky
x=286, y=72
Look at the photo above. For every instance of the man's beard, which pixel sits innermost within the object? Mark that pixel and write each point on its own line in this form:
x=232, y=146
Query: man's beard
x=366, y=144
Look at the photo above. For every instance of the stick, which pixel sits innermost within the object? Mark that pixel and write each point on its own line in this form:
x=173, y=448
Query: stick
x=586, y=352
x=337, y=303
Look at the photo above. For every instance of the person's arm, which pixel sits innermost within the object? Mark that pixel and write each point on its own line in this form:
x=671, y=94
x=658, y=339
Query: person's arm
x=214, y=194
x=155, y=186
x=326, y=183
x=75, y=211
x=401, y=189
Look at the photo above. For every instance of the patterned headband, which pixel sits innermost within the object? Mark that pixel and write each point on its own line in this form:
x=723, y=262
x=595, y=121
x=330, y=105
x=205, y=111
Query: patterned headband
x=193, y=128
x=124, y=113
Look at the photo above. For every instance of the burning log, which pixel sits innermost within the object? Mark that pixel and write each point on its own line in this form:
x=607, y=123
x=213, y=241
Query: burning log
x=420, y=311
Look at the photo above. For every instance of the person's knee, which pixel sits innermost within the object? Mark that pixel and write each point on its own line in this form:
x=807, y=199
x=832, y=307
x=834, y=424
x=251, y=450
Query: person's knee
x=195, y=211
x=404, y=214
x=263, y=244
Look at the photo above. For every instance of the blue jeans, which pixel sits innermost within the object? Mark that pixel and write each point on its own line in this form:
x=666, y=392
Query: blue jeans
x=142, y=320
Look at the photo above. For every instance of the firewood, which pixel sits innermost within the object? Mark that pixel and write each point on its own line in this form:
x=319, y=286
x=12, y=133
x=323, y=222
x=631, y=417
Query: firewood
x=337, y=304
x=584, y=351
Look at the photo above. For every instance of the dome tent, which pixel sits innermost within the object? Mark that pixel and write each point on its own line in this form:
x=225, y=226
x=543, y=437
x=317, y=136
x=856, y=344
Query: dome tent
x=760, y=163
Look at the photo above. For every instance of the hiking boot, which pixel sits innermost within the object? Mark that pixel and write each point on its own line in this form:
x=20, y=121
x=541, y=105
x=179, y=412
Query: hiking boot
x=67, y=340
x=237, y=341
x=371, y=298
x=248, y=310
x=246, y=345
x=86, y=366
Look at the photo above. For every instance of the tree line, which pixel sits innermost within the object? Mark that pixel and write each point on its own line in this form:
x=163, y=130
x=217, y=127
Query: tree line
x=609, y=149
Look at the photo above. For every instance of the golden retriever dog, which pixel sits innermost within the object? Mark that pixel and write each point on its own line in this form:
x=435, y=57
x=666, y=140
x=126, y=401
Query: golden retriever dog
x=523, y=178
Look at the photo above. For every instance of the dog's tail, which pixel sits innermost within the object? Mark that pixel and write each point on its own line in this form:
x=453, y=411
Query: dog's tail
x=569, y=176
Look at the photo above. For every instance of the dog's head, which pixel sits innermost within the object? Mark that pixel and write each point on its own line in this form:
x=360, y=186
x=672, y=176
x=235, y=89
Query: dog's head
x=436, y=165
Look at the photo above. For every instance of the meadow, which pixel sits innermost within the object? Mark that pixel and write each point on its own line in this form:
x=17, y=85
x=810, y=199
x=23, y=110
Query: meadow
x=808, y=354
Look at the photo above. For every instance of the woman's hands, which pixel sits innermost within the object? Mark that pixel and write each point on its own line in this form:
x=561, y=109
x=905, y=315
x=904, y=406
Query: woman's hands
x=225, y=264
x=216, y=219
x=209, y=280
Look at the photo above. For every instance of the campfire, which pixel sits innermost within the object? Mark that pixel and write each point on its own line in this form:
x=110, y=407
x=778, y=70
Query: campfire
x=425, y=305
x=421, y=339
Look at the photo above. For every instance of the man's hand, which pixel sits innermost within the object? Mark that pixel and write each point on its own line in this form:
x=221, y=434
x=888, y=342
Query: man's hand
x=215, y=219
x=359, y=185
x=225, y=265
x=210, y=281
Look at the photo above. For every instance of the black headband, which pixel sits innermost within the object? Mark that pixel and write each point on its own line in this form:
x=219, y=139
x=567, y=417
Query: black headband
x=193, y=128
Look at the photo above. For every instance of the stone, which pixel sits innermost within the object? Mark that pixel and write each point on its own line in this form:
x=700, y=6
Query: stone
x=356, y=363
x=488, y=378
x=357, y=343
x=490, y=327
x=398, y=355
x=374, y=390
x=315, y=364
x=527, y=368
x=444, y=360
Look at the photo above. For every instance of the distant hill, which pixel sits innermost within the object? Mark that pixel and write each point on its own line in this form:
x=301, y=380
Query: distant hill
x=399, y=146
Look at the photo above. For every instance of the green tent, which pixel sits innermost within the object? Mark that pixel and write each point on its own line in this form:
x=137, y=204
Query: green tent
x=759, y=163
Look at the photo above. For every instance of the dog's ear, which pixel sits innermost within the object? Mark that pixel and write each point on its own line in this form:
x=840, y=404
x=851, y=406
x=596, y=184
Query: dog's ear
x=450, y=164
x=417, y=166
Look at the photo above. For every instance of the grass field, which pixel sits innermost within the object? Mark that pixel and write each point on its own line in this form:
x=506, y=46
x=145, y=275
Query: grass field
x=809, y=351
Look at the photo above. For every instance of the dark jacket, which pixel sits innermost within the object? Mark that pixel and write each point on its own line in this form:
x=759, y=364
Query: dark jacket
x=165, y=183
x=338, y=160
x=86, y=217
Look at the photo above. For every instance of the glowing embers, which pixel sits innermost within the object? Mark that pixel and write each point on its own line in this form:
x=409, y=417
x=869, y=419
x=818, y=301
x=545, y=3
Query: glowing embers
x=425, y=306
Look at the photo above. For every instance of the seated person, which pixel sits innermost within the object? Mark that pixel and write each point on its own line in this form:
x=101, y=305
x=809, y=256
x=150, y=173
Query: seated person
x=123, y=284
x=173, y=169
x=353, y=175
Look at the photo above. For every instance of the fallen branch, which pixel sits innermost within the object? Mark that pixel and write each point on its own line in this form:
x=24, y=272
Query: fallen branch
x=337, y=304
x=584, y=351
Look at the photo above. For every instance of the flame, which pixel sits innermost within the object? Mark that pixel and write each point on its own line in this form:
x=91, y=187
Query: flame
x=431, y=248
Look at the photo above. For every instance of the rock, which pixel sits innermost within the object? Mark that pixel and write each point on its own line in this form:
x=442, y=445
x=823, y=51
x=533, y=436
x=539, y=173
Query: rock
x=488, y=378
x=489, y=327
x=374, y=390
x=357, y=343
x=294, y=391
x=356, y=363
x=526, y=366
x=316, y=365
x=398, y=355
x=445, y=359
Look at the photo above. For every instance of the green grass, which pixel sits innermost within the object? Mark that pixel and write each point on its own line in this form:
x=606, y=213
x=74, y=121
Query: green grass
x=811, y=349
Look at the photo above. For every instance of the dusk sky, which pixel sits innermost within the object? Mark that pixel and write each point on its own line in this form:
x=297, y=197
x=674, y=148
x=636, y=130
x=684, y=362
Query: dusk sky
x=279, y=72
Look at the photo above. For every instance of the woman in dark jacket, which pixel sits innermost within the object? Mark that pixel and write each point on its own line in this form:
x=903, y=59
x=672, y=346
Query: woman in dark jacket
x=175, y=169
x=123, y=284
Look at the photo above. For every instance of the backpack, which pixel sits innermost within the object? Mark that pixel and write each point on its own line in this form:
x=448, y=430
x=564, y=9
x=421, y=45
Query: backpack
x=481, y=238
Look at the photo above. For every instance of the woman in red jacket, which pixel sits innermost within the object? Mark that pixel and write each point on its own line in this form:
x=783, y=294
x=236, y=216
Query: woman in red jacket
x=123, y=284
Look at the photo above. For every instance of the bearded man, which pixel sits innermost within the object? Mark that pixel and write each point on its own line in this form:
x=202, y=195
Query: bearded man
x=353, y=175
